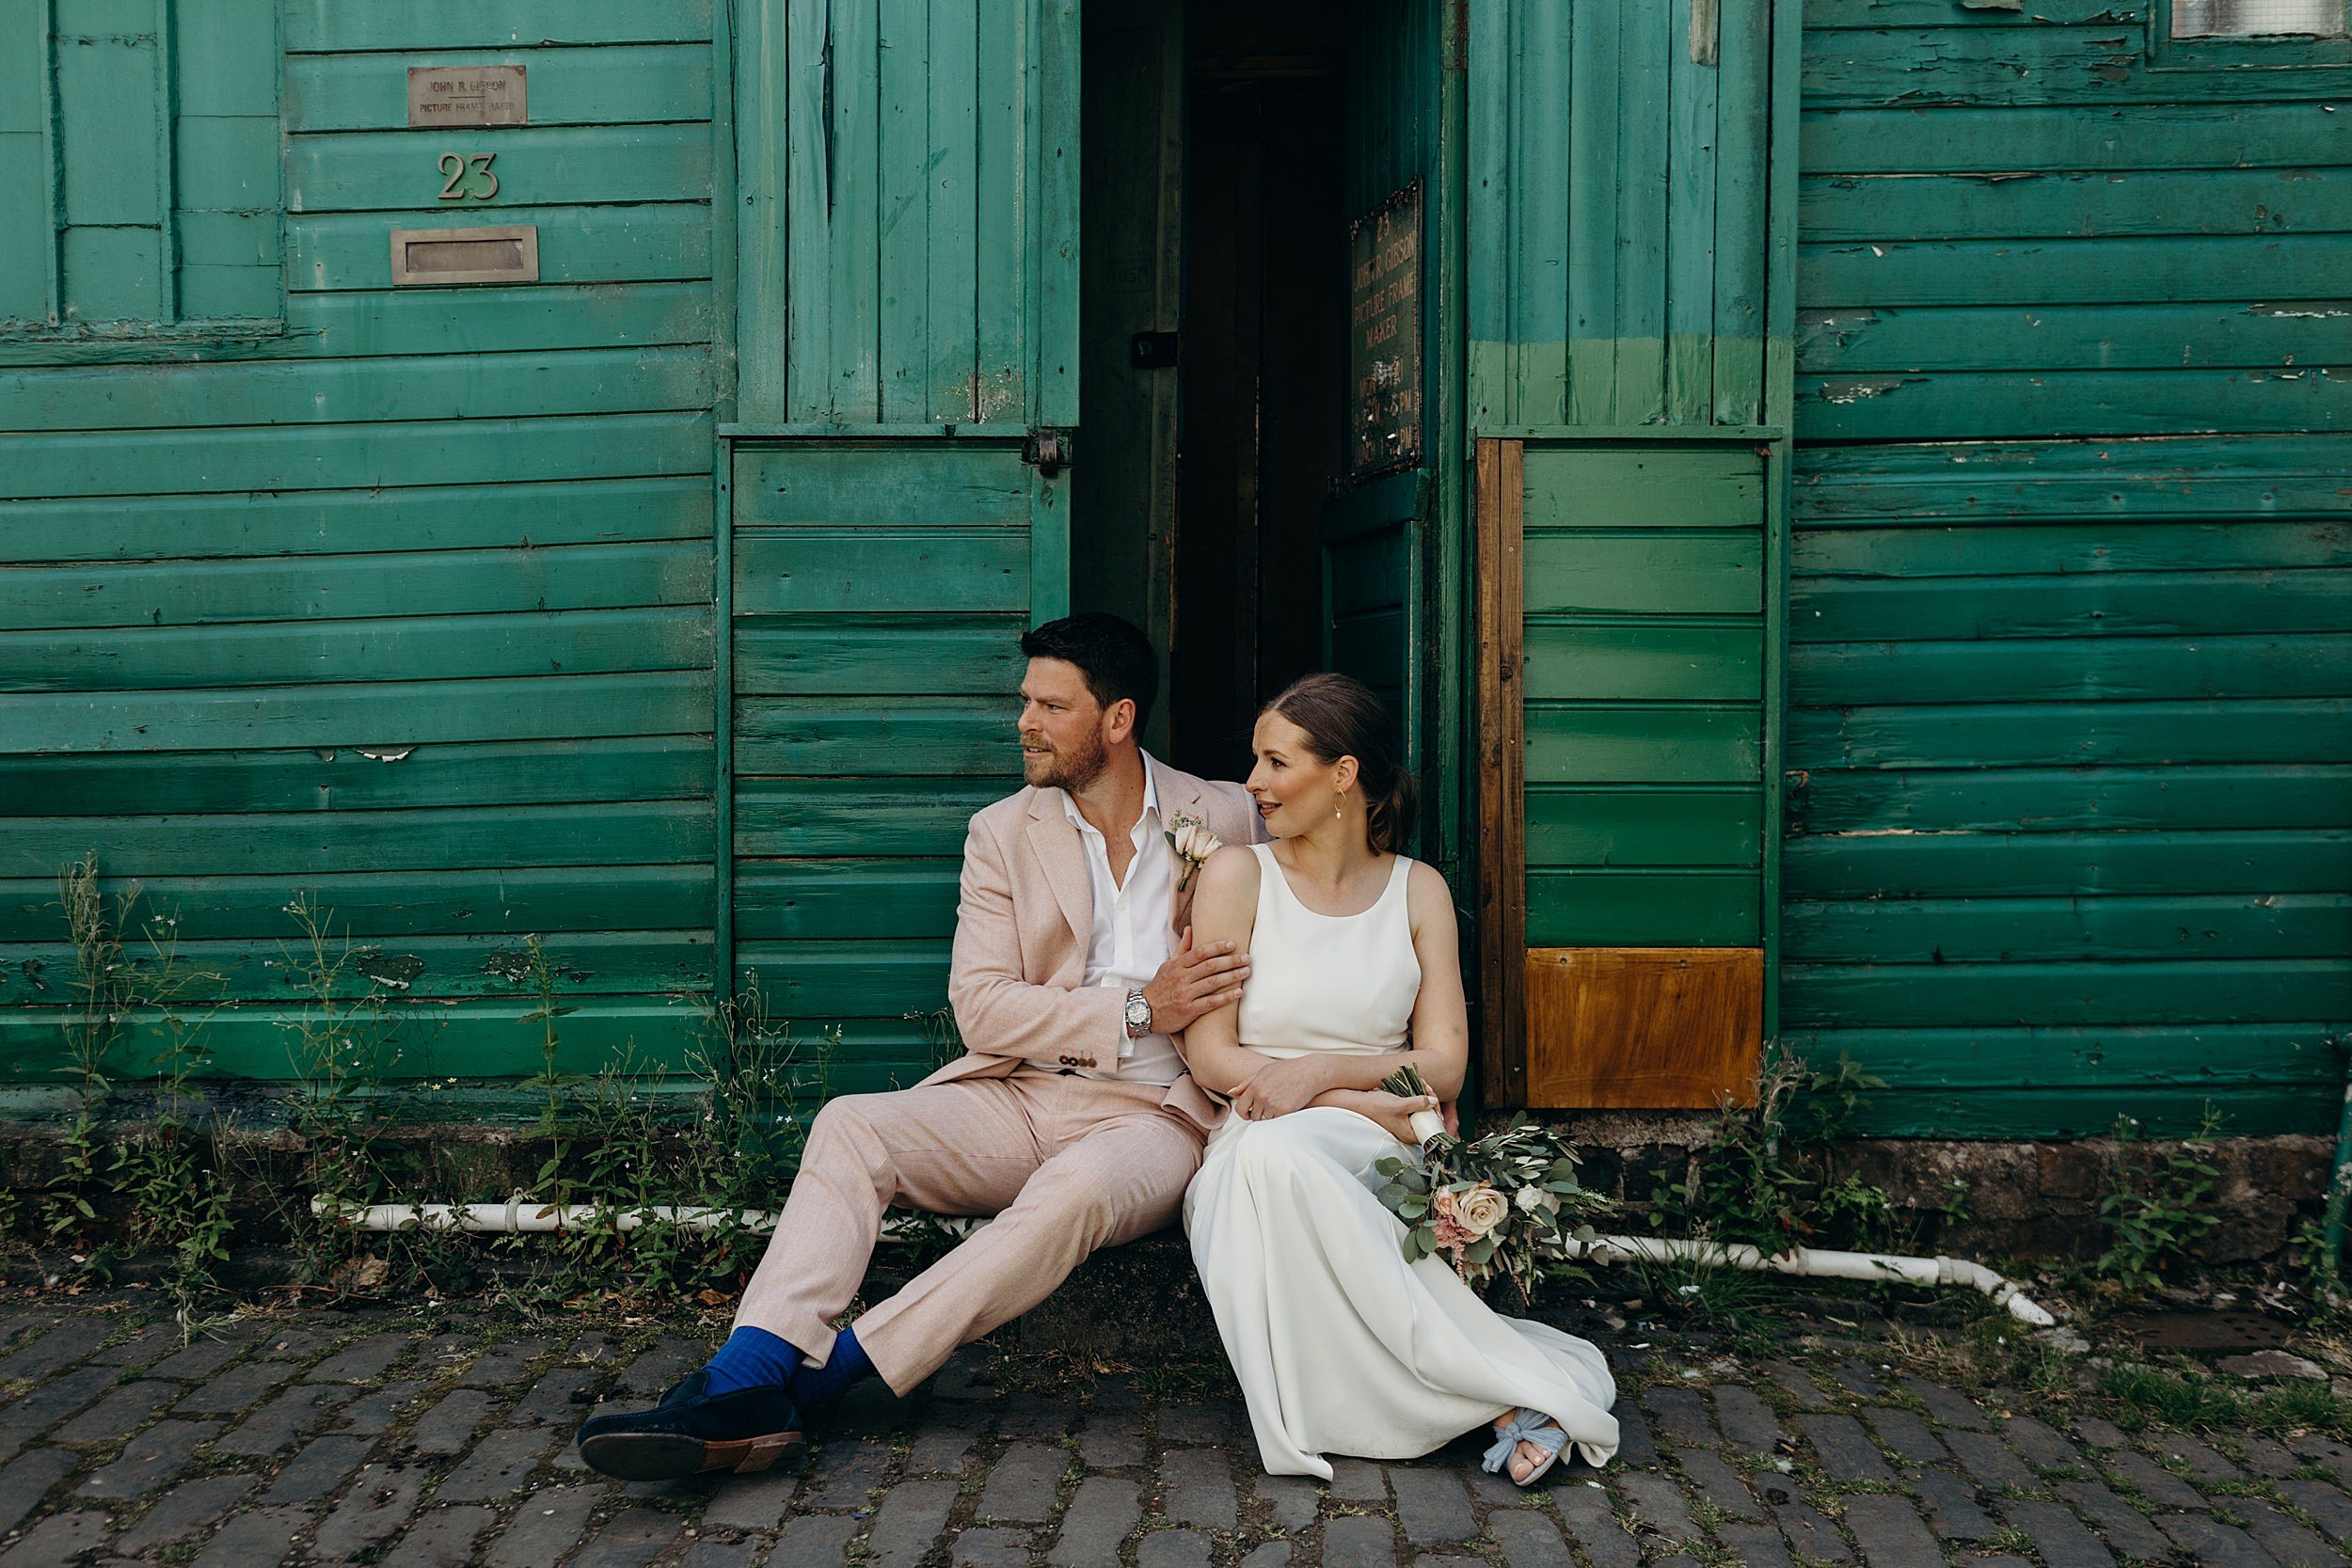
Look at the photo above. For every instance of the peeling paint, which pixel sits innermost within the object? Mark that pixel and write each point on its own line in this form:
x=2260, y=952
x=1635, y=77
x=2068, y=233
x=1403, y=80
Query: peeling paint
x=1855, y=392
x=1899, y=832
x=394, y=971
x=401, y=755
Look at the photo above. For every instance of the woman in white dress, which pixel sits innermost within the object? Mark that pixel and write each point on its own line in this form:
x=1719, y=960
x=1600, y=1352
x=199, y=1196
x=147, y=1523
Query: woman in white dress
x=1340, y=1344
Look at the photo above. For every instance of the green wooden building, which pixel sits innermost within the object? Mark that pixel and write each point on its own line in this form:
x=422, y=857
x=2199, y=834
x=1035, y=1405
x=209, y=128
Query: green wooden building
x=1848, y=503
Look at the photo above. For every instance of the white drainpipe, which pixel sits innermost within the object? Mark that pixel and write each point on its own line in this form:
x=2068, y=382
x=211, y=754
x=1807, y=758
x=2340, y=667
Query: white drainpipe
x=1818, y=1263
x=519, y=1215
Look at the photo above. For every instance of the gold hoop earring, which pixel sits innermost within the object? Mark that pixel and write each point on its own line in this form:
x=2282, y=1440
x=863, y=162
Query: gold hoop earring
x=1337, y=816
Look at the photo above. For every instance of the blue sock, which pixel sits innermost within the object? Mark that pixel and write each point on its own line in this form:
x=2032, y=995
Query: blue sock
x=752, y=1358
x=821, y=1385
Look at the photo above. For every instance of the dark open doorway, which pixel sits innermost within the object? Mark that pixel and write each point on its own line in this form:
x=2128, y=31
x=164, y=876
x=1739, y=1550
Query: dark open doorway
x=1213, y=217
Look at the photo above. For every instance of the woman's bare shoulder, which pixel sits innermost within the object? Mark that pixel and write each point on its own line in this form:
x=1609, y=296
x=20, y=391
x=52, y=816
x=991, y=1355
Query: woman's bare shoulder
x=1427, y=895
x=1232, y=868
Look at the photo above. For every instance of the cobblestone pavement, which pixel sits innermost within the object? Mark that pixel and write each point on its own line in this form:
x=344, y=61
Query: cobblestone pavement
x=325, y=1436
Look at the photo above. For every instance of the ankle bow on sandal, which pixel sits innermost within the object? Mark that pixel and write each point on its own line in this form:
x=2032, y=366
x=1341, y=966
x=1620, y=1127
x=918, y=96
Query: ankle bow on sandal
x=1525, y=1426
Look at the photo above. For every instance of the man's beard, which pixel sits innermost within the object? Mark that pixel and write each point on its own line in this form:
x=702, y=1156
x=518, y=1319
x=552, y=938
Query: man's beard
x=1069, y=771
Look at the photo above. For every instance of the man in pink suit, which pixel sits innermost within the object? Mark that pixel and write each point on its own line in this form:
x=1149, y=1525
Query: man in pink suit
x=1069, y=1119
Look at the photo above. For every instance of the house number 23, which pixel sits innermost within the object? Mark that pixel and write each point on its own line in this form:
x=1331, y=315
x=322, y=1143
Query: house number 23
x=467, y=177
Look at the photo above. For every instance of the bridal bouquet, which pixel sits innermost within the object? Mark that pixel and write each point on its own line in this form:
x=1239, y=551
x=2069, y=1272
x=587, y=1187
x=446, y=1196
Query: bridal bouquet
x=1500, y=1205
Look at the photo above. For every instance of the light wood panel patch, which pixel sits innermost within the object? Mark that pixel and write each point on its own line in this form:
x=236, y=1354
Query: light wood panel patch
x=1649, y=1028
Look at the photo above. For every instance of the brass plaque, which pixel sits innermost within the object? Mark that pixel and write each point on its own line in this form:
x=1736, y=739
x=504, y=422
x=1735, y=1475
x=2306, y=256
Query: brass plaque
x=504, y=253
x=465, y=95
x=1384, y=335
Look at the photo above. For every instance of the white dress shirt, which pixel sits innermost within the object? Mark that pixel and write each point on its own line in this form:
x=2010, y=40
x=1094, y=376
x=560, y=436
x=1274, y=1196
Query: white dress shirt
x=1128, y=942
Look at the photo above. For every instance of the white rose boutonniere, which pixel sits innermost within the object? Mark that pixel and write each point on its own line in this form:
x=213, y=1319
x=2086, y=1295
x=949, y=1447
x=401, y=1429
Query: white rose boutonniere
x=1190, y=838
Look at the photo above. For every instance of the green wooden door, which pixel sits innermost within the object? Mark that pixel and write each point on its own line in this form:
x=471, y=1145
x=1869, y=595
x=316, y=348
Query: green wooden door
x=1380, y=604
x=1627, y=366
x=907, y=337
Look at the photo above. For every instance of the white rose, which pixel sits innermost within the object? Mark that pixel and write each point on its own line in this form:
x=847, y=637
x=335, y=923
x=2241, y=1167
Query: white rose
x=1530, y=1198
x=1481, y=1209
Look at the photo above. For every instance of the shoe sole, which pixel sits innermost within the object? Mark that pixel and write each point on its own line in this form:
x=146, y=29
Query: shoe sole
x=672, y=1456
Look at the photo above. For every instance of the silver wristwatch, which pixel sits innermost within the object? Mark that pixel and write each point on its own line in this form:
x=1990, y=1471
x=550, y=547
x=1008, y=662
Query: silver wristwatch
x=1138, y=1015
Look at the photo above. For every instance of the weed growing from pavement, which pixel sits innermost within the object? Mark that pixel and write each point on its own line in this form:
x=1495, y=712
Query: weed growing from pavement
x=1766, y=1173
x=2158, y=1207
x=342, y=1048
x=642, y=1137
x=174, y=1176
x=93, y=1023
x=164, y=1183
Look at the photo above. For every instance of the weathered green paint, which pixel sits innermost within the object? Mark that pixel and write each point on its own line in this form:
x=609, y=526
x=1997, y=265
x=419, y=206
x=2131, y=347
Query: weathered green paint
x=1645, y=663
x=907, y=310
x=2069, y=740
x=406, y=603
x=139, y=165
x=1618, y=197
x=682, y=585
x=1390, y=553
x=1628, y=325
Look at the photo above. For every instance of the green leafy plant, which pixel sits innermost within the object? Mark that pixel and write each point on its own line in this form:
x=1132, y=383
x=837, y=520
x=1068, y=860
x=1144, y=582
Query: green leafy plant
x=942, y=1038
x=1766, y=1174
x=677, y=1161
x=159, y=1185
x=341, y=1045
x=672, y=1178
x=2157, y=1209
x=102, y=1000
x=534, y=972
x=171, y=1174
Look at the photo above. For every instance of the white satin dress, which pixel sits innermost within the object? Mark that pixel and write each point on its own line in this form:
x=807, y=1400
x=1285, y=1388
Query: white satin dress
x=1342, y=1346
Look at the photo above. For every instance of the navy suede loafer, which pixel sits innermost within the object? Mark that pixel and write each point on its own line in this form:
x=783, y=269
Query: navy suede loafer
x=693, y=1431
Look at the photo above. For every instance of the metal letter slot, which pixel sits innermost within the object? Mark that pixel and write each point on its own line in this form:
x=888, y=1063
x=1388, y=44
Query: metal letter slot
x=507, y=253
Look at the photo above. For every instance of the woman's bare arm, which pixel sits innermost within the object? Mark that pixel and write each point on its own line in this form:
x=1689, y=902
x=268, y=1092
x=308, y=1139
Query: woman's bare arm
x=1224, y=909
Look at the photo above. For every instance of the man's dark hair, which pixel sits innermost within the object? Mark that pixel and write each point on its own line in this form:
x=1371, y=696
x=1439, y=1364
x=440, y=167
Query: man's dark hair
x=1112, y=653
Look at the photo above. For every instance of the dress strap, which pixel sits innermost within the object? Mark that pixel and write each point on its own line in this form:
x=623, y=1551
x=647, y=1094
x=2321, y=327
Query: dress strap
x=1396, y=875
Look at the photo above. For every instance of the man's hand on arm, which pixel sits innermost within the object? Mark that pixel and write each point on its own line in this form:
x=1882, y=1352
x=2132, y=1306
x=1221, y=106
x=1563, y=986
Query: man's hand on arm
x=1193, y=981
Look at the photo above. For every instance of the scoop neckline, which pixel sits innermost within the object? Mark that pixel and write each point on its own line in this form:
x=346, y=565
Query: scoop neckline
x=1388, y=889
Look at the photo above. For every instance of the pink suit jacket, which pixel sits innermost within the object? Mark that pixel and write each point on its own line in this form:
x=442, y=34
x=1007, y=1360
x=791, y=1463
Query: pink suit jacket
x=1017, y=981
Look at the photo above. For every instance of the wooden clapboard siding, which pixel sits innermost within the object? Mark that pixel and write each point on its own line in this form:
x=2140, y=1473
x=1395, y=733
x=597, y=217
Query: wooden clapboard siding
x=2144, y=263
x=2070, y=662
x=2071, y=755
x=1643, y=684
x=408, y=608
x=879, y=589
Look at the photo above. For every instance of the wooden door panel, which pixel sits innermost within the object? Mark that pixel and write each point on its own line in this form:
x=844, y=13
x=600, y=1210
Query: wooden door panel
x=1643, y=1027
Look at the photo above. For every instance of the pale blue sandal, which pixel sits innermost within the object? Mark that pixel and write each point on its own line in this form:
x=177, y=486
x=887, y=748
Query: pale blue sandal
x=1525, y=1426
